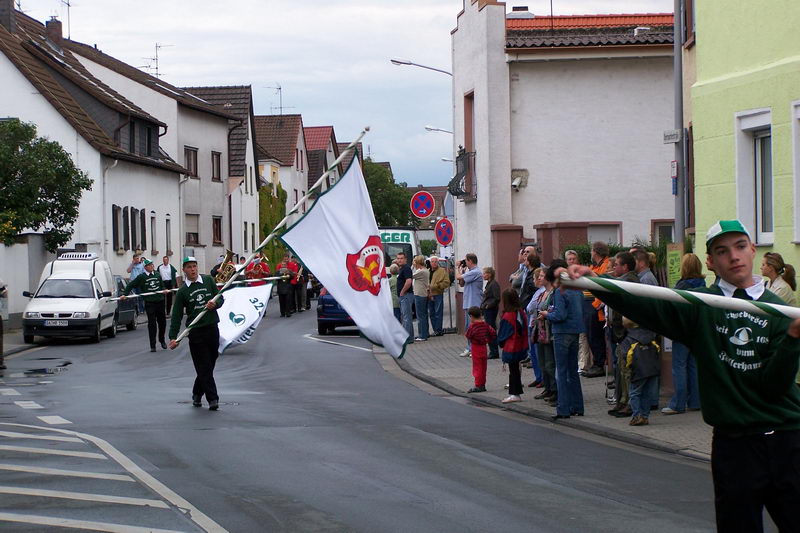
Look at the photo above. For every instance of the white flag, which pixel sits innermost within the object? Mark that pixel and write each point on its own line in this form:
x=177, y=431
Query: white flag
x=240, y=314
x=338, y=241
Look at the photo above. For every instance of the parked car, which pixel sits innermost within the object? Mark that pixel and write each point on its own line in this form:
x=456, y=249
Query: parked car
x=127, y=310
x=330, y=315
x=73, y=299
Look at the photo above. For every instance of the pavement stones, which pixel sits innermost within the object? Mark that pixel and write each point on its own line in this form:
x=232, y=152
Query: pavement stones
x=436, y=361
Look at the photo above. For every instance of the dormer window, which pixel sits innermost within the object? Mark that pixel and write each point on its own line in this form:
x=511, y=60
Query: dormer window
x=132, y=137
x=148, y=150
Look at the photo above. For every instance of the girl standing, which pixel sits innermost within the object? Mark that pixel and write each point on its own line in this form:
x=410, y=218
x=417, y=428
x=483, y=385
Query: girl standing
x=513, y=338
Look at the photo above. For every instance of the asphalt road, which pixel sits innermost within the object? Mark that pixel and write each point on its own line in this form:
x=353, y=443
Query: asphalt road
x=309, y=437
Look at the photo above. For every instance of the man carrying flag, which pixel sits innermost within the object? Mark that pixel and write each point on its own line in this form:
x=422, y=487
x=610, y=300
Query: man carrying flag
x=338, y=240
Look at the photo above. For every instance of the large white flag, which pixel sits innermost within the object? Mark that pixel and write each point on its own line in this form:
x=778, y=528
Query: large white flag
x=240, y=314
x=338, y=241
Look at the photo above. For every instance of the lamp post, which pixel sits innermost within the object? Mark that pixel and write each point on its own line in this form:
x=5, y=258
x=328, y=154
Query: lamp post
x=431, y=128
x=406, y=62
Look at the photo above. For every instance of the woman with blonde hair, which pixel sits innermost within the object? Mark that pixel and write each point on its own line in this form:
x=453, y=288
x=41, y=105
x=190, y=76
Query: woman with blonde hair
x=684, y=368
x=780, y=277
x=422, y=291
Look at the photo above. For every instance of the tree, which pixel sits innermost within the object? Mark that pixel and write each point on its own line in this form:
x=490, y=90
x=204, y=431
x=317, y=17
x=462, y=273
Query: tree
x=390, y=201
x=427, y=247
x=271, y=210
x=40, y=185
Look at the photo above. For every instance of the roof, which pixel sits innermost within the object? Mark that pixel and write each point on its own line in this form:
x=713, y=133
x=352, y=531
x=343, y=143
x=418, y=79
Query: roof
x=316, y=165
x=277, y=135
x=237, y=100
x=387, y=165
x=348, y=158
x=176, y=93
x=318, y=137
x=51, y=69
x=589, y=30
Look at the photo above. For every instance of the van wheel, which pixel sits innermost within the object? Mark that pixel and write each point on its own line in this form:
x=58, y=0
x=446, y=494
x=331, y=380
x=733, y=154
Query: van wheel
x=96, y=336
x=112, y=331
x=27, y=339
x=131, y=326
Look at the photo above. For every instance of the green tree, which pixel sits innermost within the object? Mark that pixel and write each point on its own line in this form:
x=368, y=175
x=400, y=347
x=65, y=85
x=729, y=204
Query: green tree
x=390, y=201
x=427, y=247
x=40, y=186
x=271, y=210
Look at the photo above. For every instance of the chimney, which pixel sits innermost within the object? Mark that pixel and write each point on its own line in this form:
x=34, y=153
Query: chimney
x=519, y=12
x=8, y=17
x=53, y=29
x=519, y=8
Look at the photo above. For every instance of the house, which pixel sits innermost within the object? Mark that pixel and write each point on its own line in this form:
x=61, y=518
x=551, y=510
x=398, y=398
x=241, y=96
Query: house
x=348, y=158
x=323, y=150
x=559, y=127
x=196, y=135
x=133, y=203
x=243, y=177
x=283, y=143
x=745, y=121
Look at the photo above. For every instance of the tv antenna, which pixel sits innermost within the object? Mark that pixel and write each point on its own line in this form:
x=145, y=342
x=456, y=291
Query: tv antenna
x=67, y=3
x=153, y=65
x=279, y=92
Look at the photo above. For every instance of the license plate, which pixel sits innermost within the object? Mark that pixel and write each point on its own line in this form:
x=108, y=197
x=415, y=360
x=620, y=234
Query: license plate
x=56, y=323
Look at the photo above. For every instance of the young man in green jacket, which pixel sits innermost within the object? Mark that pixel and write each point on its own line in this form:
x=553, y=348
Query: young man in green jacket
x=150, y=281
x=746, y=367
x=194, y=296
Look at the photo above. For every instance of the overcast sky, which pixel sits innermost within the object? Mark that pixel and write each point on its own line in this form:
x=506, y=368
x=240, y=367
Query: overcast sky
x=330, y=56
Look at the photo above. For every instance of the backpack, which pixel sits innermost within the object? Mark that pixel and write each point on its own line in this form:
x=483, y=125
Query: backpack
x=643, y=360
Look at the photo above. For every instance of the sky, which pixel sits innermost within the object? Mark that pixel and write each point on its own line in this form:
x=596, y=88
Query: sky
x=330, y=57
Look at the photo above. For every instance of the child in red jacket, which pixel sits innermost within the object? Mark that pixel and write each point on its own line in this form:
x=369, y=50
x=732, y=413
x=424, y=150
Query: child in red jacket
x=479, y=333
x=513, y=337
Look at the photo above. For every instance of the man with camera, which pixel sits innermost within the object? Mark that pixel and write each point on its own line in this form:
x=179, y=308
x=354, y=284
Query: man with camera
x=470, y=277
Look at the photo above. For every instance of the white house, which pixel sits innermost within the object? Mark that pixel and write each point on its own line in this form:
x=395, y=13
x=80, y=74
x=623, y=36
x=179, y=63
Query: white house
x=135, y=186
x=196, y=135
x=562, y=120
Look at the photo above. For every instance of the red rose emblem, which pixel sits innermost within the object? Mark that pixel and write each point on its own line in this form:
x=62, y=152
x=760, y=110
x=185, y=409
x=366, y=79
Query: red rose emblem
x=365, y=268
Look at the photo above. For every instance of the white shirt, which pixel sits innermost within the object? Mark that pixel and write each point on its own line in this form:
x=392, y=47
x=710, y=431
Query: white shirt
x=754, y=291
x=165, y=271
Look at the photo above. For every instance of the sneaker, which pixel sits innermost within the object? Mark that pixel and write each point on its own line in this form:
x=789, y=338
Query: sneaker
x=465, y=353
x=513, y=398
x=213, y=405
x=541, y=395
x=196, y=400
x=152, y=348
x=639, y=421
x=477, y=389
x=419, y=339
x=670, y=411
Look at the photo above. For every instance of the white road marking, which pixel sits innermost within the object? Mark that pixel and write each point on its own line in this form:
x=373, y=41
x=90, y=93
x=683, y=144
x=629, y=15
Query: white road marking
x=45, y=382
x=78, y=524
x=16, y=374
x=52, y=420
x=60, y=472
x=326, y=341
x=15, y=435
x=45, y=451
x=26, y=404
x=8, y=392
x=186, y=508
x=83, y=496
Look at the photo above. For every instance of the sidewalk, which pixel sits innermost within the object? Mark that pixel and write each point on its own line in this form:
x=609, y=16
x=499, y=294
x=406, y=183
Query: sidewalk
x=13, y=343
x=436, y=361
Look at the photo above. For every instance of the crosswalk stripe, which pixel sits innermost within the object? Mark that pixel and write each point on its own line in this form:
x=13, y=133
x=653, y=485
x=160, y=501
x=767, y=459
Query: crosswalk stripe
x=60, y=472
x=15, y=435
x=27, y=404
x=84, y=496
x=79, y=524
x=66, y=453
x=8, y=392
x=53, y=420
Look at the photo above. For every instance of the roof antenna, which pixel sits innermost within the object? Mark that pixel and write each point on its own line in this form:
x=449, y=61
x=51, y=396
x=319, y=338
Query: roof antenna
x=153, y=66
x=67, y=3
x=279, y=92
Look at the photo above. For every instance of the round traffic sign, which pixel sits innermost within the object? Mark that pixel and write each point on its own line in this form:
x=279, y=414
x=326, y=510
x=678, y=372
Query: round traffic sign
x=422, y=204
x=444, y=232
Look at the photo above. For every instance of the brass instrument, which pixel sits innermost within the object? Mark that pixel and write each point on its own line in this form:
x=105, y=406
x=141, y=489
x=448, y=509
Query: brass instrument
x=299, y=273
x=227, y=269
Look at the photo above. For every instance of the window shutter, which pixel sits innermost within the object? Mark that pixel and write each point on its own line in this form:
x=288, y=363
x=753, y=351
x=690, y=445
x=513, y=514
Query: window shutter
x=143, y=216
x=126, y=229
x=115, y=227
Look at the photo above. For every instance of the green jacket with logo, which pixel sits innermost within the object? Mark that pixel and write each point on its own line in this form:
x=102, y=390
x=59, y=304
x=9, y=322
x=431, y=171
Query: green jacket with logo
x=746, y=363
x=147, y=283
x=190, y=300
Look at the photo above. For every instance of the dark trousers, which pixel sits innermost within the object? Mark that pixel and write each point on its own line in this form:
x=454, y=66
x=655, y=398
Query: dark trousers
x=169, y=285
x=204, y=346
x=514, y=379
x=752, y=472
x=283, y=302
x=309, y=295
x=594, y=334
x=156, y=318
x=299, y=291
x=490, y=317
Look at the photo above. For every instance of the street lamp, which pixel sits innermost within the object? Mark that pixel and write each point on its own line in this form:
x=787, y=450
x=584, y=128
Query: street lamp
x=448, y=160
x=431, y=128
x=406, y=62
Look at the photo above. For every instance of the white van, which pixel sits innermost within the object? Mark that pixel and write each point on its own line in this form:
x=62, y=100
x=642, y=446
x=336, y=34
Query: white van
x=73, y=300
x=399, y=239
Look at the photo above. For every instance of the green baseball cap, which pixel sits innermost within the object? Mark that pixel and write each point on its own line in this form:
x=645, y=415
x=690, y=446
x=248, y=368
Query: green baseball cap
x=147, y=262
x=722, y=227
x=189, y=259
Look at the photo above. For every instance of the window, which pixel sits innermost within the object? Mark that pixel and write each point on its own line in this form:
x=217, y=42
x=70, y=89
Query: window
x=762, y=148
x=116, y=224
x=297, y=158
x=688, y=21
x=662, y=231
x=192, y=229
x=304, y=204
x=245, y=185
x=153, y=246
x=190, y=160
x=143, y=225
x=244, y=241
x=148, y=149
x=216, y=227
x=253, y=236
x=168, y=235
x=690, y=220
x=216, y=167
x=251, y=181
x=754, y=194
x=469, y=141
x=296, y=198
x=126, y=229
x=132, y=137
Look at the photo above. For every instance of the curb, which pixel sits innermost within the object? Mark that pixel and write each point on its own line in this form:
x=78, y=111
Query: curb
x=17, y=350
x=641, y=441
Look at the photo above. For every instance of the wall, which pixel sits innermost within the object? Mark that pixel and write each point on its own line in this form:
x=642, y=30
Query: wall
x=22, y=266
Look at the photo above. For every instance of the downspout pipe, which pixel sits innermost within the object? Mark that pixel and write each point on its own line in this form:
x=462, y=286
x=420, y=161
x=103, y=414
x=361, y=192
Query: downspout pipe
x=677, y=63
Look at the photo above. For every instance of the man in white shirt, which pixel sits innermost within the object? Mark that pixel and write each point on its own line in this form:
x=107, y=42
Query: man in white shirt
x=168, y=275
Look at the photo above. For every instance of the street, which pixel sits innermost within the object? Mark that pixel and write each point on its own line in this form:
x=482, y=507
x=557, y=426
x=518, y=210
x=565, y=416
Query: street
x=312, y=436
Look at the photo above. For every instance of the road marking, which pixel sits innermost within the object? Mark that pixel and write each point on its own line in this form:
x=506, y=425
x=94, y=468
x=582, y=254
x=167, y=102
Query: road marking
x=15, y=435
x=9, y=392
x=61, y=472
x=45, y=451
x=186, y=508
x=78, y=524
x=26, y=404
x=52, y=420
x=83, y=496
x=45, y=382
x=326, y=341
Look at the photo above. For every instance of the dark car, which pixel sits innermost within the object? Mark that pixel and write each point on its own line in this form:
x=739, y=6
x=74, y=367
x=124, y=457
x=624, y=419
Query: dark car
x=127, y=310
x=330, y=314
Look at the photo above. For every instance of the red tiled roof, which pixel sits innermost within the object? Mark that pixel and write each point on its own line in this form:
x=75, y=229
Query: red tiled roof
x=278, y=134
x=589, y=21
x=348, y=158
x=318, y=137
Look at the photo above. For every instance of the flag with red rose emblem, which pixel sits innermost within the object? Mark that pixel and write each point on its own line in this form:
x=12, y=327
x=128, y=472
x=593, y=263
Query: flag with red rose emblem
x=338, y=241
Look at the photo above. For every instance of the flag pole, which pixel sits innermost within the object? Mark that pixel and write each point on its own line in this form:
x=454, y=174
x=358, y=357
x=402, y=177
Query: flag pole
x=593, y=283
x=165, y=291
x=281, y=224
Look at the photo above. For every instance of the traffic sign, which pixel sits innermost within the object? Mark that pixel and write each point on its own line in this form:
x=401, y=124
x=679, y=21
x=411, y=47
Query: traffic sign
x=422, y=204
x=444, y=232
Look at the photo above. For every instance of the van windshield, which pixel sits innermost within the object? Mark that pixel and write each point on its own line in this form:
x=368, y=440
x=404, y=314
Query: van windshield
x=391, y=249
x=66, y=288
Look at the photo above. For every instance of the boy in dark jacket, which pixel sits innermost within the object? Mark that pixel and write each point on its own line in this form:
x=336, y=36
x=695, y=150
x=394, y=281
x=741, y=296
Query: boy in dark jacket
x=641, y=358
x=479, y=333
